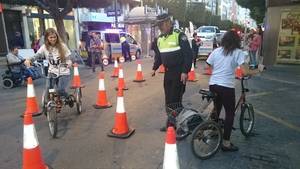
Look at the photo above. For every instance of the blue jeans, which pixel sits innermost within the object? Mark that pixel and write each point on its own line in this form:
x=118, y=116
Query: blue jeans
x=252, y=55
x=59, y=84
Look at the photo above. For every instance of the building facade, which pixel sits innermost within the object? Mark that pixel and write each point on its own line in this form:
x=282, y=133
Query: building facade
x=281, y=43
x=30, y=22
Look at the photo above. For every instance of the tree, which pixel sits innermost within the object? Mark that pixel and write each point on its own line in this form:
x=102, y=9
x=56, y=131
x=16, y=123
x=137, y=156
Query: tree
x=257, y=8
x=58, y=9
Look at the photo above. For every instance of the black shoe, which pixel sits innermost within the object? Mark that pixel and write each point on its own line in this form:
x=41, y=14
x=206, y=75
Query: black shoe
x=163, y=129
x=231, y=148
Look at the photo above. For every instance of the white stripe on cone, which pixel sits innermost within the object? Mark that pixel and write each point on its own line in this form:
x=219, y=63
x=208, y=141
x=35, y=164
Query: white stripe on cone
x=170, y=157
x=116, y=64
x=101, y=85
x=192, y=69
x=30, y=90
x=139, y=67
x=121, y=74
x=76, y=72
x=120, y=105
x=30, y=140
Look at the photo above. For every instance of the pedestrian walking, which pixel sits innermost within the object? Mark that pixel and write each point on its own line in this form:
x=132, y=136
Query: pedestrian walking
x=254, y=46
x=223, y=61
x=196, y=42
x=95, y=49
x=175, y=53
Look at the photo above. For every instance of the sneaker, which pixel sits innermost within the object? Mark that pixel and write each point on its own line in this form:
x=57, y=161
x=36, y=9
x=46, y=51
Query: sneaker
x=230, y=148
x=163, y=129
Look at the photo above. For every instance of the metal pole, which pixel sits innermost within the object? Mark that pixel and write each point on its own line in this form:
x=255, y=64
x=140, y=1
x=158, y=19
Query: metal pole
x=116, y=15
x=4, y=29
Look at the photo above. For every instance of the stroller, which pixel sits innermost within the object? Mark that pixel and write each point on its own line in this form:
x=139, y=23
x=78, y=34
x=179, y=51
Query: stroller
x=16, y=74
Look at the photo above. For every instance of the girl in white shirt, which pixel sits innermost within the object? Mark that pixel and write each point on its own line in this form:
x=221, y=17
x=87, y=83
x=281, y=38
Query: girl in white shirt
x=224, y=60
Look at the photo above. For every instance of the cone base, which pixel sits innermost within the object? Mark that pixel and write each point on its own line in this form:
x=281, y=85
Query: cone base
x=192, y=80
x=75, y=87
x=139, y=80
x=123, y=136
x=33, y=114
x=102, y=107
x=161, y=72
x=114, y=76
x=125, y=88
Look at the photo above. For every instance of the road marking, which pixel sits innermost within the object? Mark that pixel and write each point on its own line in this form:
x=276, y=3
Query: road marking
x=266, y=93
x=259, y=94
x=278, y=80
x=278, y=120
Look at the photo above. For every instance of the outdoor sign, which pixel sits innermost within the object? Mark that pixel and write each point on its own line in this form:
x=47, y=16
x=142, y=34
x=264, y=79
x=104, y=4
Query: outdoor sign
x=112, y=13
x=288, y=50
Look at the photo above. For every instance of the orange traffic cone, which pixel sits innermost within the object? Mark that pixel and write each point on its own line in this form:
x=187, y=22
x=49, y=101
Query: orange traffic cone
x=31, y=102
x=116, y=69
x=102, y=99
x=76, y=78
x=120, y=129
x=161, y=69
x=170, y=155
x=238, y=73
x=207, y=70
x=139, y=73
x=121, y=81
x=32, y=156
x=192, y=75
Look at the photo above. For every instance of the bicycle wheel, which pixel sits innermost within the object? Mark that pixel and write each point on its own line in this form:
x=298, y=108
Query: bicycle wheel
x=52, y=119
x=206, y=140
x=78, y=96
x=45, y=99
x=246, y=119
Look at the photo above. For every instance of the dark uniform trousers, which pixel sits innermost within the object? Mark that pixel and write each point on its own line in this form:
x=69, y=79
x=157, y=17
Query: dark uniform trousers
x=173, y=88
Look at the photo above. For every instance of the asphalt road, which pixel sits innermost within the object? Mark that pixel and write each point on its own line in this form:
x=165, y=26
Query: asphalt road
x=82, y=141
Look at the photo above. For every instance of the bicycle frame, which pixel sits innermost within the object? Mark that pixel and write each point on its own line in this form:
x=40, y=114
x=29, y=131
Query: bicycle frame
x=242, y=98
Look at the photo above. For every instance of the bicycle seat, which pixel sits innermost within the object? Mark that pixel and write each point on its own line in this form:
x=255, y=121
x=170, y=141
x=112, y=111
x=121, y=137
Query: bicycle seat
x=207, y=94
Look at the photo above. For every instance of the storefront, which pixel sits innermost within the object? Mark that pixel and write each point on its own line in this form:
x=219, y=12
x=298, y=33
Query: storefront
x=30, y=23
x=36, y=27
x=282, y=33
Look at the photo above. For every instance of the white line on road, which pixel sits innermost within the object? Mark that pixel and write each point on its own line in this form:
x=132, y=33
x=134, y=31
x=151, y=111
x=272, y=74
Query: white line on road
x=278, y=120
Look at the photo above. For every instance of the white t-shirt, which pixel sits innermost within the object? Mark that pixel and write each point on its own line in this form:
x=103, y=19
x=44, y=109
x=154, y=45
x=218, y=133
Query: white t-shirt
x=54, y=61
x=223, y=67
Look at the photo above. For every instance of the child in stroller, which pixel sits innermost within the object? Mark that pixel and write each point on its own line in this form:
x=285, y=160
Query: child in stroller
x=17, y=72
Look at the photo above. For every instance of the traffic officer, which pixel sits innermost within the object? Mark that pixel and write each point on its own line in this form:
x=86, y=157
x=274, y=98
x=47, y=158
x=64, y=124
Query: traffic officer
x=174, y=52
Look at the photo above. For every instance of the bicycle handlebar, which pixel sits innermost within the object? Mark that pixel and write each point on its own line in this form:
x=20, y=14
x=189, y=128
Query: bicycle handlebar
x=55, y=76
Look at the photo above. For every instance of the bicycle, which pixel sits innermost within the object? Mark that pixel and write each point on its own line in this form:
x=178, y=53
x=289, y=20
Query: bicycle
x=206, y=133
x=52, y=103
x=206, y=130
x=247, y=110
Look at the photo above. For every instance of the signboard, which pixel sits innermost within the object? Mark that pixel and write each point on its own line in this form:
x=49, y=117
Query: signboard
x=112, y=13
x=288, y=50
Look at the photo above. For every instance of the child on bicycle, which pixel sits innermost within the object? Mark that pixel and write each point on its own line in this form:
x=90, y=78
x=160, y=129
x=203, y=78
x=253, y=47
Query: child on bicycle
x=224, y=60
x=56, y=53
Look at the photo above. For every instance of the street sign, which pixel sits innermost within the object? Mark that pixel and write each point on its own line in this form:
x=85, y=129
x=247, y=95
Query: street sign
x=112, y=13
